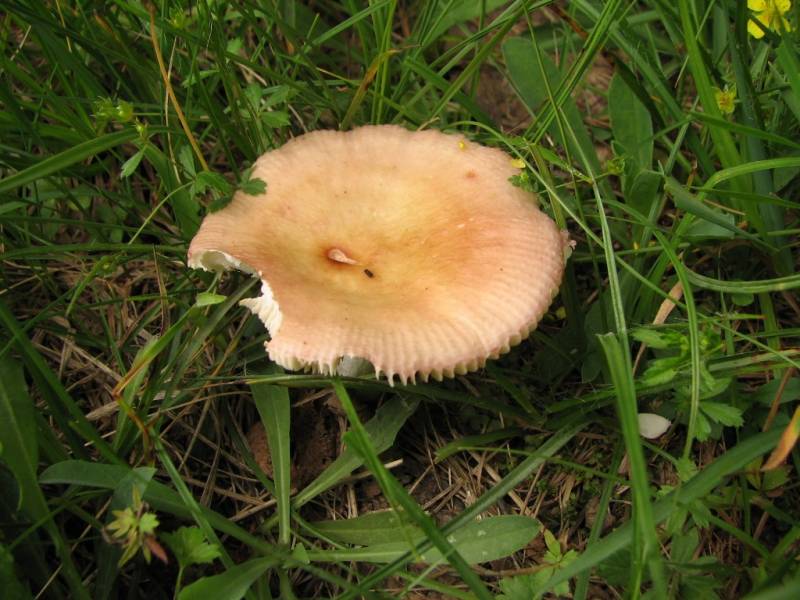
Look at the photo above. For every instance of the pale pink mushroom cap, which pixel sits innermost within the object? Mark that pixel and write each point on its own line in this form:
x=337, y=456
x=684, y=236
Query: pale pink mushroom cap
x=411, y=250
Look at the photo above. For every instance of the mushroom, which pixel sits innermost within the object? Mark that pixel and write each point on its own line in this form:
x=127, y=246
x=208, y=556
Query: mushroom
x=410, y=250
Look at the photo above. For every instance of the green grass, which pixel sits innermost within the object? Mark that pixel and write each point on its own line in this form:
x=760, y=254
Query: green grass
x=129, y=383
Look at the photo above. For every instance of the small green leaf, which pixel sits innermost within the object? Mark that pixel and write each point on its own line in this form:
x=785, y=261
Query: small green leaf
x=553, y=547
x=214, y=181
x=275, y=118
x=130, y=165
x=522, y=587
x=192, y=79
x=148, y=523
x=253, y=187
x=523, y=181
x=281, y=94
x=700, y=513
x=525, y=587
x=703, y=430
x=653, y=338
x=725, y=414
x=234, y=45
x=654, y=376
x=208, y=299
x=712, y=386
x=300, y=553
x=219, y=203
x=686, y=469
x=190, y=547
x=186, y=160
x=742, y=299
x=775, y=478
x=684, y=545
x=252, y=94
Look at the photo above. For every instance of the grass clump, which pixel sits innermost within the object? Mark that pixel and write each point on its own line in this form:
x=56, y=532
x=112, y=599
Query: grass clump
x=662, y=136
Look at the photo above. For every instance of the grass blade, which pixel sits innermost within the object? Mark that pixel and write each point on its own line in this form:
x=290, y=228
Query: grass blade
x=67, y=158
x=19, y=449
x=647, y=549
x=359, y=440
x=273, y=406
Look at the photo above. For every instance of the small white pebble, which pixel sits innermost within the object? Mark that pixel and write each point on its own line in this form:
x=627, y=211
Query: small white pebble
x=652, y=426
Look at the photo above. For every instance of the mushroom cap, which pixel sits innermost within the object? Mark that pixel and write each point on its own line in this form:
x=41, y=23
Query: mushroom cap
x=411, y=250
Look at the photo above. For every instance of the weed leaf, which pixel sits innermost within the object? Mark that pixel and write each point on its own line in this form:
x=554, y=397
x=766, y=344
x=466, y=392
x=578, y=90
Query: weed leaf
x=230, y=585
x=190, y=547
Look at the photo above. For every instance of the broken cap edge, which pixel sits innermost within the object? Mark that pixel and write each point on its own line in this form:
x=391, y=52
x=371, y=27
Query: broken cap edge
x=264, y=306
x=267, y=309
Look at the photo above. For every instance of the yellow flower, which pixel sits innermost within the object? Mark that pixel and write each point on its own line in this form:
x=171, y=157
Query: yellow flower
x=725, y=99
x=770, y=14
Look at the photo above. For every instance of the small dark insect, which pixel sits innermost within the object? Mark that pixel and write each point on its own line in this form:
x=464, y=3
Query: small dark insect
x=369, y=273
